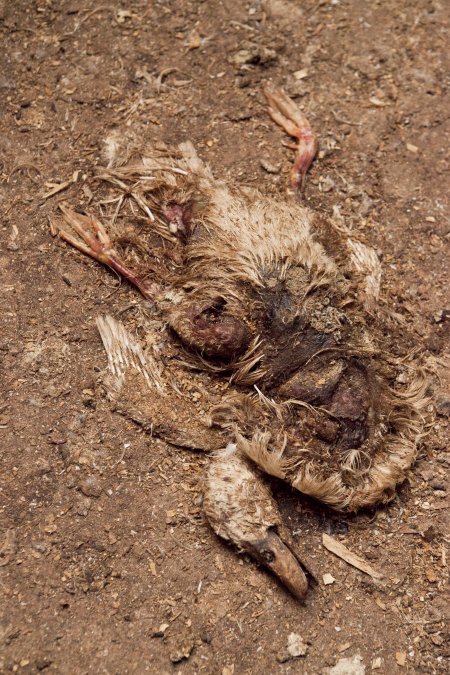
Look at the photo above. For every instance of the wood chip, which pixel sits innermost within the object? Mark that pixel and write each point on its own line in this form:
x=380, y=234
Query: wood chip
x=343, y=552
x=59, y=187
x=376, y=663
x=56, y=187
x=412, y=148
x=328, y=579
x=380, y=604
x=378, y=102
x=344, y=647
x=268, y=166
x=400, y=658
x=194, y=41
x=301, y=74
x=228, y=670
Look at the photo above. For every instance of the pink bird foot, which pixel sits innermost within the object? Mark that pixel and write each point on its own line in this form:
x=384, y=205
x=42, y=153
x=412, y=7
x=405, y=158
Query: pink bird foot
x=94, y=241
x=289, y=117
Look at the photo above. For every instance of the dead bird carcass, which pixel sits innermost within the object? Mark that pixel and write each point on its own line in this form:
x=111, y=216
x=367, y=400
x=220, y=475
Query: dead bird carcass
x=273, y=316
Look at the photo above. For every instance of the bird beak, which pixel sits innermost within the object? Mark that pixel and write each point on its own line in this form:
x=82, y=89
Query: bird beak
x=281, y=561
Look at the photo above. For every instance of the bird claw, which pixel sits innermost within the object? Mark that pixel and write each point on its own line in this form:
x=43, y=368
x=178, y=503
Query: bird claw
x=94, y=241
x=289, y=117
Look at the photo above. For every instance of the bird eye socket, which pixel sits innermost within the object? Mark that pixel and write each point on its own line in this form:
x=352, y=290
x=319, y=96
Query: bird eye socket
x=267, y=555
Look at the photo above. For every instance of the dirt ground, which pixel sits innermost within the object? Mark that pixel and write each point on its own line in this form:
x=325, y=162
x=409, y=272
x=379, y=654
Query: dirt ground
x=107, y=563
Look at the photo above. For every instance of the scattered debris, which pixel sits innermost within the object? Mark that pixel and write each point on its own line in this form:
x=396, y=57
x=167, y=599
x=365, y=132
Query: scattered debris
x=301, y=74
x=50, y=526
x=183, y=651
x=295, y=648
x=59, y=187
x=83, y=506
x=376, y=663
x=162, y=75
x=443, y=406
x=328, y=579
x=8, y=549
x=352, y=665
x=341, y=120
x=27, y=166
x=400, y=658
x=91, y=486
x=12, y=244
x=412, y=148
x=252, y=54
x=122, y=15
x=378, y=102
x=335, y=546
x=228, y=670
x=161, y=631
x=344, y=647
x=42, y=664
x=268, y=166
x=429, y=532
x=194, y=40
x=244, y=57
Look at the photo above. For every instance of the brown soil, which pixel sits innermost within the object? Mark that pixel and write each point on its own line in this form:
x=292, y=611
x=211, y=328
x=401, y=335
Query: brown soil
x=103, y=538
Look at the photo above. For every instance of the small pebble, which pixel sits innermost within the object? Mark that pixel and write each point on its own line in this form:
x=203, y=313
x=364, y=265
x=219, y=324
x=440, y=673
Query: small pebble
x=430, y=533
x=244, y=56
x=182, y=651
x=42, y=664
x=160, y=632
x=443, y=407
x=352, y=665
x=91, y=487
x=295, y=648
x=438, y=484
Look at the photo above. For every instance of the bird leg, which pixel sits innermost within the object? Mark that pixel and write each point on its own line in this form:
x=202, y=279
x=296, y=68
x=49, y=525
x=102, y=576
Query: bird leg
x=241, y=509
x=289, y=117
x=94, y=241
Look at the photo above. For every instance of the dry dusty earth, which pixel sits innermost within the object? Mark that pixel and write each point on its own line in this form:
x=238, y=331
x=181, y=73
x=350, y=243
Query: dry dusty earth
x=103, y=539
